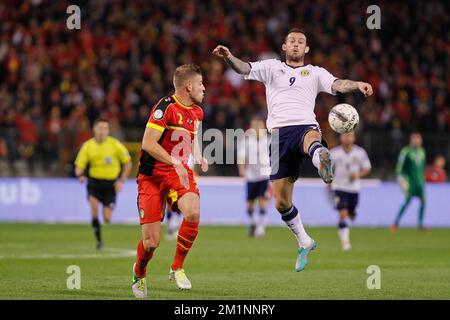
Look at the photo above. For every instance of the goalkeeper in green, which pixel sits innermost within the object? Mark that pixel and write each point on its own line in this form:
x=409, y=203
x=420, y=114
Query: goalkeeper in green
x=410, y=171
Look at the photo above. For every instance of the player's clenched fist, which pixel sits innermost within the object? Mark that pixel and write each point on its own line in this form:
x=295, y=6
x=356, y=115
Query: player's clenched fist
x=221, y=51
x=365, y=88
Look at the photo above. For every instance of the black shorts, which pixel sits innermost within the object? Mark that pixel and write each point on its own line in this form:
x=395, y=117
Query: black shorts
x=346, y=200
x=103, y=191
x=286, y=150
x=257, y=189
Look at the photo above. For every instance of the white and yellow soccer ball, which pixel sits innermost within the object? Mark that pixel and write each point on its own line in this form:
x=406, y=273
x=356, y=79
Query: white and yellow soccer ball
x=343, y=118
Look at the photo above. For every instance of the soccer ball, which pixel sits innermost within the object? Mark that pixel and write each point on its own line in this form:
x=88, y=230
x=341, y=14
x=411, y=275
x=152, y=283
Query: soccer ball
x=343, y=118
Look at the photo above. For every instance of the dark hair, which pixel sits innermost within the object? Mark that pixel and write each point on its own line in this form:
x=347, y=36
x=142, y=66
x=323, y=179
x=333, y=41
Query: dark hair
x=183, y=72
x=296, y=30
x=100, y=120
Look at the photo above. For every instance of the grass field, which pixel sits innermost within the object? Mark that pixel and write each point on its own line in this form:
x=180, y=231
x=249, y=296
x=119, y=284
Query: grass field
x=225, y=264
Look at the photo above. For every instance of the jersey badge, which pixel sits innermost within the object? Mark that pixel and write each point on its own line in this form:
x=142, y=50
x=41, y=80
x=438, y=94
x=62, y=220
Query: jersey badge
x=304, y=73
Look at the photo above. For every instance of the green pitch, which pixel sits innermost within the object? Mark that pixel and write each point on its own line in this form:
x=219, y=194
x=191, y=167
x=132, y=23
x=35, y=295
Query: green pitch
x=225, y=264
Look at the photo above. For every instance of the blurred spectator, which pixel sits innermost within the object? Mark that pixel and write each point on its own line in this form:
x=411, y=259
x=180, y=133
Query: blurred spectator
x=28, y=137
x=436, y=171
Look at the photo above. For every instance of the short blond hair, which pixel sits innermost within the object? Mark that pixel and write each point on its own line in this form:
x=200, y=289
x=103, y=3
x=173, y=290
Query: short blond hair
x=184, y=72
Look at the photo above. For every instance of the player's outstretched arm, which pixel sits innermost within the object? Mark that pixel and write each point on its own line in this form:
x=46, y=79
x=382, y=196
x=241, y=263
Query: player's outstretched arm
x=236, y=64
x=345, y=86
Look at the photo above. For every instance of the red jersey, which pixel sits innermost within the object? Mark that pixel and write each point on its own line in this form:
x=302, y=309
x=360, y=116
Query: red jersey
x=177, y=123
x=435, y=174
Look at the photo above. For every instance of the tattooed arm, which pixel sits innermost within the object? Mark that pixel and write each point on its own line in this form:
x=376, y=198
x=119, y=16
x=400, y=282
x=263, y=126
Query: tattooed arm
x=345, y=86
x=236, y=64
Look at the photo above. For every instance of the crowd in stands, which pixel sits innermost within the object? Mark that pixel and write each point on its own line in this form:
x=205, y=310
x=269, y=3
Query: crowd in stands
x=54, y=81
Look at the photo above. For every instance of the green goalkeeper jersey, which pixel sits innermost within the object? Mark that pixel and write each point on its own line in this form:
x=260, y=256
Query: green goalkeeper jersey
x=411, y=166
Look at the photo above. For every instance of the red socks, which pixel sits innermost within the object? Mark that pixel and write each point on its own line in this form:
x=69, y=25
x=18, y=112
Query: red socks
x=186, y=236
x=142, y=258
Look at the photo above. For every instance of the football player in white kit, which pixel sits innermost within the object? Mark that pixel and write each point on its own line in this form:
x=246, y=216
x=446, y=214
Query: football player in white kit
x=291, y=91
x=350, y=163
x=254, y=165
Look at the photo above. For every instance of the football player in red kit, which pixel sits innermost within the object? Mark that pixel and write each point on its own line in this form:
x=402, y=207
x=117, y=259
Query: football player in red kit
x=164, y=176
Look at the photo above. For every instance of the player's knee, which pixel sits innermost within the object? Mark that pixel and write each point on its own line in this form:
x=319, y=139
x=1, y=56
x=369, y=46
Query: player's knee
x=282, y=204
x=192, y=214
x=311, y=137
x=150, y=244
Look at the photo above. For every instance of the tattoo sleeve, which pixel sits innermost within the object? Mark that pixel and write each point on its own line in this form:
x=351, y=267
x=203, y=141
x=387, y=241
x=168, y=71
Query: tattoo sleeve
x=238, y=65
x=344, y=86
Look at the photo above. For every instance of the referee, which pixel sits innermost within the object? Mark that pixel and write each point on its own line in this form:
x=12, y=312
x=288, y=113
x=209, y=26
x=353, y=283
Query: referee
x=109, y=164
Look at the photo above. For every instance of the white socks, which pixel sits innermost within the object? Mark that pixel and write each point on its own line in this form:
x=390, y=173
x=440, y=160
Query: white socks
x=254, y=219
x=261, y=226
x=296, y=226
x=344, y=235
x=316, y=159
x=174, y=223
x=262, y=220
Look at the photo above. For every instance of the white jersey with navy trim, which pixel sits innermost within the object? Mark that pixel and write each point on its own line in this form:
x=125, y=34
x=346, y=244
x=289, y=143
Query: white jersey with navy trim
x=347, y=163
x=290, y=92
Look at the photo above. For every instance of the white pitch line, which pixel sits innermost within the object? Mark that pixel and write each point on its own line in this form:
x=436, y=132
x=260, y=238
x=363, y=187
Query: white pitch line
x=115, y=253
